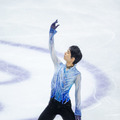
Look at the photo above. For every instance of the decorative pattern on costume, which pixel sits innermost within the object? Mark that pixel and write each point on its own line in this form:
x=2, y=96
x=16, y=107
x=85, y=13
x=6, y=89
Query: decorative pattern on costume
x=63, y=80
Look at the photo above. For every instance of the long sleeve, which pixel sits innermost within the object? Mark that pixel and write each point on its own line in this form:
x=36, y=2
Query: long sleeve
x=55, y=60
x=78, y=95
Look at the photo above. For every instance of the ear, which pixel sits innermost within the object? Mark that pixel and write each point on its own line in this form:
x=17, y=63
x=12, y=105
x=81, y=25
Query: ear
x=73, y=59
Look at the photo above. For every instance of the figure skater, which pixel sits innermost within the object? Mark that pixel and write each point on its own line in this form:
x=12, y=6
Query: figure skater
x=65, y=76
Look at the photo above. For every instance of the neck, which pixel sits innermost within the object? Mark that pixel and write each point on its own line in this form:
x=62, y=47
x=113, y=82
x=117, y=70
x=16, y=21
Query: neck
x=69, y=65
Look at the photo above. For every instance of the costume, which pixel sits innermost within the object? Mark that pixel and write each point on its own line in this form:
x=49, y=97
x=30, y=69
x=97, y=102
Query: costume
x=61, y=84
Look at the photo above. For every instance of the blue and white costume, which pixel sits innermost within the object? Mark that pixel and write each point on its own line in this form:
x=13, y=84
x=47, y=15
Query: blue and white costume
x=63, y=79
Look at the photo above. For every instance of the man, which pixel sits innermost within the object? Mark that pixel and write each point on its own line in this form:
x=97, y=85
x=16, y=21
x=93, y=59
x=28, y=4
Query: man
x=64, y=77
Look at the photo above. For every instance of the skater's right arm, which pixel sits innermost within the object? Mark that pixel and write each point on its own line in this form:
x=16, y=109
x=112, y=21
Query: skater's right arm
x=52, y=32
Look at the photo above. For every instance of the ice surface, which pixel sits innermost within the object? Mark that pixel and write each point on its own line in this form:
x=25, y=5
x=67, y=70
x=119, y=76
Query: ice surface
x=24, y=57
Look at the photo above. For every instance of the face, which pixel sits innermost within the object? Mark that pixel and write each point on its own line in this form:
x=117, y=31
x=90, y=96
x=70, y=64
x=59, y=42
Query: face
x=67, y=57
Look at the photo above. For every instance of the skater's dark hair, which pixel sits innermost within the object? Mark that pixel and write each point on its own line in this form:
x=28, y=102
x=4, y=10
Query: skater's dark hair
x=76, y=53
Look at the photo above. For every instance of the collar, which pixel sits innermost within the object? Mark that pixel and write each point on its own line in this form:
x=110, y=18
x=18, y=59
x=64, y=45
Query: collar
x=71, y=68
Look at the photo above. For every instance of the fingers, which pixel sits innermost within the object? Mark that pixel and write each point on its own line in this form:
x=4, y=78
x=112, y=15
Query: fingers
x=54, y=26
x=56, y=21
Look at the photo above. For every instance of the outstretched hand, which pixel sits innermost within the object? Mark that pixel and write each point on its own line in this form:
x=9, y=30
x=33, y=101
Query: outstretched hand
x=54, y=26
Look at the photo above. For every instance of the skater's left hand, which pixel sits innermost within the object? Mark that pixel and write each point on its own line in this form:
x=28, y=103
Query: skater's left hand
x=77, y=117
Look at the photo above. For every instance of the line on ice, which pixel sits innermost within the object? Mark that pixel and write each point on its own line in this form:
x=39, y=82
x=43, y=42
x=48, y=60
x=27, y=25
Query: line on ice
x=19, y=74
x=1, y=107
x=103, y=83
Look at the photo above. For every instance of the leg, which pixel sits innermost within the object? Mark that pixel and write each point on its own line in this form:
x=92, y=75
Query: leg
x=67, y=112
x=48, y=113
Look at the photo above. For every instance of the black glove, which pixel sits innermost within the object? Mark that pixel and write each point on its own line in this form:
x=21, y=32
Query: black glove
x=77, y=117
x=54, y=26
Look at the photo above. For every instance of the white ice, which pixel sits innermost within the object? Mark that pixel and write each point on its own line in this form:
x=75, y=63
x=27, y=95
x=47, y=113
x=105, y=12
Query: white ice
x=92, y=25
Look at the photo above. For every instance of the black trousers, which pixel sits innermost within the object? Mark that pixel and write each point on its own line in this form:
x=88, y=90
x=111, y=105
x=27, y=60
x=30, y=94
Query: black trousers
x=54, y=107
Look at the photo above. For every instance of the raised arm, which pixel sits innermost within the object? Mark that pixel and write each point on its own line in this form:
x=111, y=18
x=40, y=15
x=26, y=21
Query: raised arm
x=78, y=97
x=52, y=32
